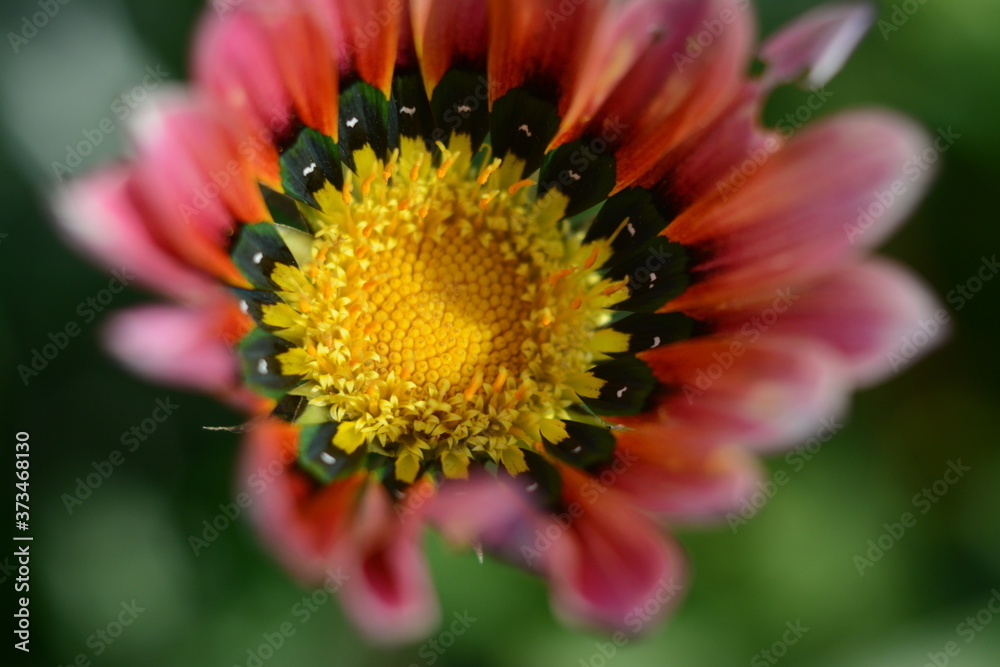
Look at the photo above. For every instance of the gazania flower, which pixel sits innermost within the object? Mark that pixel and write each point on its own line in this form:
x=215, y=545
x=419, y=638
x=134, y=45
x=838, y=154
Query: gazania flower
x=531, y=273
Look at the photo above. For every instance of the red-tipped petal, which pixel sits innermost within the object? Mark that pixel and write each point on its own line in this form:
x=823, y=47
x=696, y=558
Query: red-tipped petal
x=346, y=530
x=704, y=166
x=306, y=61
x=366, y=35
x=541, y=41
x=624, y=34
x=810, y=208
x=495, y=513
x=865, y=313
x=288, y=32
x=450, y=33
x=618, y=572
x=97, y=214
x=234, y=63
x=273, y=62
x=388, y=591
x=680, y=473
x=183, y=202
x=301, y=521
x=175, y=345
x=817, y=44
x=675, y=87
x=765, y=391
x=190, y=135
x=604, y=560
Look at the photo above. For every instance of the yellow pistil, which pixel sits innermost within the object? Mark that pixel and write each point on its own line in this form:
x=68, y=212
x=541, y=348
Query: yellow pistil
x=440, y=318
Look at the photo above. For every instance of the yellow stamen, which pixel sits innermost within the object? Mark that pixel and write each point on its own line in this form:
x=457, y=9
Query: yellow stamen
x=501, y=380
x=474, y=386
x=442, y=318
x=484, y=201
x=488, y=171
x=366, y=186
x=512, y=190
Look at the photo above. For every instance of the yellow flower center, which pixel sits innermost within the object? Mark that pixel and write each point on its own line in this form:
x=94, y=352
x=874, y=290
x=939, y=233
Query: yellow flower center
x=439, y=315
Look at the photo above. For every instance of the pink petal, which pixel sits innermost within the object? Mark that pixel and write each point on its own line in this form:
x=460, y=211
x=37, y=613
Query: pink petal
x=303, y=523
x=498, y=514
x=623, y=36
x=602, y=558
x=297, y=74
x=673, y=89
x=183, y=202
x=366, y=34
x=446, y=32
x=817, y=44
x=99, y=216
x=619, y=572
x=703, y=166
x=871, y=314
x=541, y=39
x=388, y=591
x=681, y=474
x=305, y=57
x=234, y=62
x=185, y=133
x=346, y=532
x=809, y=209
x=174, y=345
x=762, y=391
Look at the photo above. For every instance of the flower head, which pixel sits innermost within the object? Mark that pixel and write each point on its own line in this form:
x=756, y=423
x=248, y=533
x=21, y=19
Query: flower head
x=531, y=273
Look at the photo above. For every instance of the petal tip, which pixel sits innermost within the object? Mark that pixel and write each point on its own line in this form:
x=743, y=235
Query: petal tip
x=815, y=46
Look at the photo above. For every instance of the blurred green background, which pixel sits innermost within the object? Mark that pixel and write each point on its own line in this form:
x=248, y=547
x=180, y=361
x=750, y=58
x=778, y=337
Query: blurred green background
x=793, y=562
